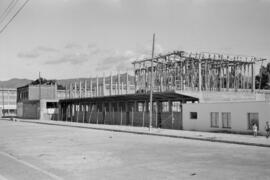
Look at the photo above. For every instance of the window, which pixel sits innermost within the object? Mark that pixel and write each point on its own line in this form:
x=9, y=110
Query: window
x=140, y=107
x=176, y=106
x=51, y=105
x=193, y=115
x=226, y=120
x=253, y=118
x=214, y=119
x=165, y=106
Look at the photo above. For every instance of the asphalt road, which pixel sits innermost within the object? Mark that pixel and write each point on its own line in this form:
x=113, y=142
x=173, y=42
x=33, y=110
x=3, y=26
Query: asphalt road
x=34, y=151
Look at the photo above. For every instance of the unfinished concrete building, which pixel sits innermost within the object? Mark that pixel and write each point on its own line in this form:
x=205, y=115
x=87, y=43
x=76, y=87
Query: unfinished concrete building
x=198, y=74
x=101, y=86
x=180, y=79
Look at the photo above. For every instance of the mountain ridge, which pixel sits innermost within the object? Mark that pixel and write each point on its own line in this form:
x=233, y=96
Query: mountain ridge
x=18, y=82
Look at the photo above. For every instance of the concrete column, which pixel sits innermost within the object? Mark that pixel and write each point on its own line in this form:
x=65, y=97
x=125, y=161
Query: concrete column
x=145, y=80
x=85, y=88
x=55, y=90
x=111, y=82
x=200, y=75
x=205, y=76
x=220, y=77
x=133, y=110
x=156, y=110
x=126, y=110
x=253, y=77
x=161, y=83
x=83, y=112
x=118, y=82
x=127, y=85
x=103, y=85
x=111, y=114
x=97, y=112
x=91, y=88
x=122, y=88
x=97, y=89
x=77, y=112
x=136, y=77
x=143, y=119
x=119, y=109
x=234, y=79
x=180, y=75
x=242, y=76
x=103, y=112
x=80, y=89
x=228, y=78
x=66, y=111
x=75, y=90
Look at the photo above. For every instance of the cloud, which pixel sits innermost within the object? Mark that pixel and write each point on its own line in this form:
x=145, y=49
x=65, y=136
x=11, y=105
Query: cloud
x=30, y=54
x=116, y=61
x=46, y=49
x=146, y=50
x=74, y=54
x=73, y=46
x=201, y=2
x=36, y=52
x=265, y=1
x=111, y=2
x=93, y=49
x=122, y=61
x=75, y=59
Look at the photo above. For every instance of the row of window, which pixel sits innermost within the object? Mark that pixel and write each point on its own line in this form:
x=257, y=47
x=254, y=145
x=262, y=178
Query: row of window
x=252, y=118
x=225, y=117
x=176, y=106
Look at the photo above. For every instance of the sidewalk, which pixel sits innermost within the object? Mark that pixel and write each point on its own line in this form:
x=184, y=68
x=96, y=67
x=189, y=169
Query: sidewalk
x=194, y=135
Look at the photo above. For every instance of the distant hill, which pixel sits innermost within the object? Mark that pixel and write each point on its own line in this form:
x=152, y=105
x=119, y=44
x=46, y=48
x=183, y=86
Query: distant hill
x=66, y=82
x=16, y=82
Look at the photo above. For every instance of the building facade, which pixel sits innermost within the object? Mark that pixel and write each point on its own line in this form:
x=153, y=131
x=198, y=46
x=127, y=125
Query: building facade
x=191, y=91
x=8, y=97
x=226, y=117
x=38, y=101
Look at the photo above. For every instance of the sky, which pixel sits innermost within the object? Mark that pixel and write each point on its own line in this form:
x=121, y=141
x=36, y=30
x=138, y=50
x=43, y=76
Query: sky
x=88, y=38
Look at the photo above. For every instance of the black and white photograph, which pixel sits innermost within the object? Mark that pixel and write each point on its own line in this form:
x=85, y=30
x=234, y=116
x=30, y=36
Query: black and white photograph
x=134, y=89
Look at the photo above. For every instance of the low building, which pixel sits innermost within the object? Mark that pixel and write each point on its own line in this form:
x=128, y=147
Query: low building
x=8, y=98
x=226, y=116
x=38, y=100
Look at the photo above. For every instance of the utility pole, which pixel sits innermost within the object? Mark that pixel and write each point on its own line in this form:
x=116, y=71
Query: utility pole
x=39, y=86
x=39, y=93
x=151, y=86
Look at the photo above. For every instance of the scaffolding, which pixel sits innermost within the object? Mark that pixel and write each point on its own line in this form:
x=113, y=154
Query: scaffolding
x=186, y=71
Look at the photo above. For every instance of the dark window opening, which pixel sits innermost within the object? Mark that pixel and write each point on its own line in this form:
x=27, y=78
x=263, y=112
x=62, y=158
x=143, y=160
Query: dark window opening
x=51, y=105
x=253, y=118
x=193, y=115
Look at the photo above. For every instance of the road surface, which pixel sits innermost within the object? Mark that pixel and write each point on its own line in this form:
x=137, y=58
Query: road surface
x=35, y=151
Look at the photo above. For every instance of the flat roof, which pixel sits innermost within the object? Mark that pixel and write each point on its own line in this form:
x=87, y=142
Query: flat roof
x=157, y=96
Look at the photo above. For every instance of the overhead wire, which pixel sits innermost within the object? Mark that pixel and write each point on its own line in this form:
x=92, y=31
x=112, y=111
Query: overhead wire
x=8, y=10
x=12, y=18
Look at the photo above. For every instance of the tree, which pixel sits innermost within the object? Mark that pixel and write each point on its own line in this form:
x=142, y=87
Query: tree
x=263, y=79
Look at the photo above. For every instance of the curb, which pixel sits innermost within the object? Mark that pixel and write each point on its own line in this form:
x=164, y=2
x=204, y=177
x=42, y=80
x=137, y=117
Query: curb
x=152, y=134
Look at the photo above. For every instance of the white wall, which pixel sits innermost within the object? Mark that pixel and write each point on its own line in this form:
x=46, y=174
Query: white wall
x=239, y=111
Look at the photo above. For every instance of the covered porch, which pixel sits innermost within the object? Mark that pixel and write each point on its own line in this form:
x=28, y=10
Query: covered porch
x=130, y=109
